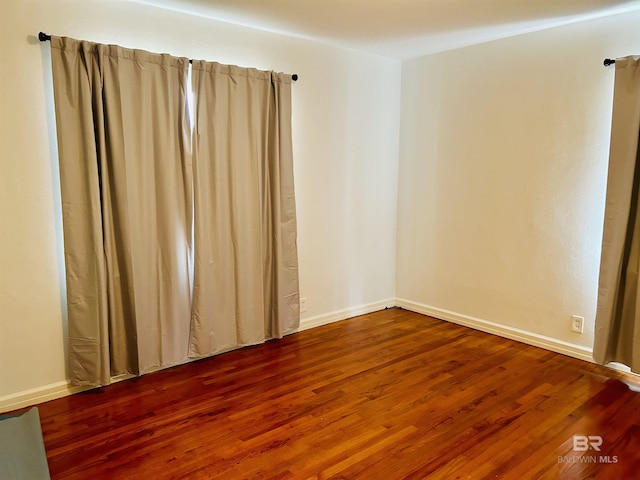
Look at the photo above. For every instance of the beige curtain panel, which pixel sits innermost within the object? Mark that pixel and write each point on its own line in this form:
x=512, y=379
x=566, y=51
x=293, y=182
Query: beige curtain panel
x=617, y=334
x=245, y=269
x=128, y=197
x=125, y=185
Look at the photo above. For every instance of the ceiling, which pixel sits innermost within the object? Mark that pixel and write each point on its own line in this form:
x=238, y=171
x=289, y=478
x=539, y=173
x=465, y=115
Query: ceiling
x=400, y=28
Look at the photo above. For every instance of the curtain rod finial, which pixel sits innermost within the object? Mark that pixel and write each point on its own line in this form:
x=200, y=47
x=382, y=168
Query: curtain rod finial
x=608, y=61
x=43, y=37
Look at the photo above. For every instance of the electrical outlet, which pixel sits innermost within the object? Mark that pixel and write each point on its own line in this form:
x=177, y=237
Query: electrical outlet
x=577, y=323
x=303, y=304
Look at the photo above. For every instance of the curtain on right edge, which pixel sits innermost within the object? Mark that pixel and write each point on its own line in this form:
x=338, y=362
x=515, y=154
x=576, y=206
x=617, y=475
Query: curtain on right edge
x=617, y=332
x=245, y=255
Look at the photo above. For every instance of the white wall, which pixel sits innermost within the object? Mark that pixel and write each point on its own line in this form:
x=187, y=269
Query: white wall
x=346, y=124
x=503, y=165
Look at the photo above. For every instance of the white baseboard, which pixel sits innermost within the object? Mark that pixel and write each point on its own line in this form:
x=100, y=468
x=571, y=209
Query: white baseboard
x=56, y=390
x=53, y=391
x=530, y=338
x=62, y=389
x=326, y=318
x=27, y=398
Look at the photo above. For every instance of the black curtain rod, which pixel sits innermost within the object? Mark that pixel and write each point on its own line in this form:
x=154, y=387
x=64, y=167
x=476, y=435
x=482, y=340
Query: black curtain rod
x=43, y=37
x=608, y=61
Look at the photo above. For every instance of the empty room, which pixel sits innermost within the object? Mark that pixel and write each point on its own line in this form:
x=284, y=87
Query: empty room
x=317, y=239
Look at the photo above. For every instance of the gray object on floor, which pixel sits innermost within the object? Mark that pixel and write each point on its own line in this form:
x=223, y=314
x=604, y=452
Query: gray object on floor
x=22, y=453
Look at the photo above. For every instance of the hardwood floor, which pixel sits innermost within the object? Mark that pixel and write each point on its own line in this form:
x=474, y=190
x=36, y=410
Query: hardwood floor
x=390, y=395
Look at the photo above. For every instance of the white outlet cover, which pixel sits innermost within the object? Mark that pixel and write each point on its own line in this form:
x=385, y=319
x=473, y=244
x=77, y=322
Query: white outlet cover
x=577, y=323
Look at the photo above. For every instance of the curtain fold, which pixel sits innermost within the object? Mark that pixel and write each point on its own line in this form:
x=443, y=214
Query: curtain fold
x=125, y=173
x=617, y=331
x=245, y=254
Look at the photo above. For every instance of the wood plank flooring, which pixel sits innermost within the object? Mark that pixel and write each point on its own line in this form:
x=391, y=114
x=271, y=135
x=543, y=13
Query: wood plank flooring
x=390, y=395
